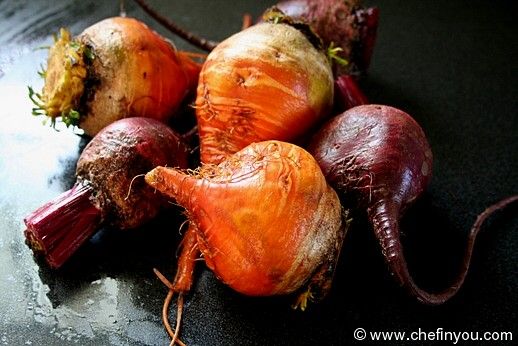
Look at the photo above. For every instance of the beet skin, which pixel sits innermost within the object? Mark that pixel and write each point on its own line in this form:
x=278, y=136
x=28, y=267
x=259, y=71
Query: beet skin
x=119, y=153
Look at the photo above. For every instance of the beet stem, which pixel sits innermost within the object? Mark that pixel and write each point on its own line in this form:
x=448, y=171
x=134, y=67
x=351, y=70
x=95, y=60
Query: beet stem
x=369, y=19
x=386, y=226
x=58, y=228
x=247, y=21
x=349, y=94
x=190, y=37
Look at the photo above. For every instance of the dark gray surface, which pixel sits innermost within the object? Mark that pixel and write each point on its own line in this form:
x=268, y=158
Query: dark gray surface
x=451, y=64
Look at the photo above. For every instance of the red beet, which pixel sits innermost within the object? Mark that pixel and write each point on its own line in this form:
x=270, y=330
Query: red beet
x=345, y=23
x=108, y=188
x=381, y=156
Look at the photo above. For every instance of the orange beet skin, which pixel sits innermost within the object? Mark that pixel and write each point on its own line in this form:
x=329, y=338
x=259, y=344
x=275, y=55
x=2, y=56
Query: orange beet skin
x=266, y=220
x=139, y=73
x=114, y=69
x=266, y=82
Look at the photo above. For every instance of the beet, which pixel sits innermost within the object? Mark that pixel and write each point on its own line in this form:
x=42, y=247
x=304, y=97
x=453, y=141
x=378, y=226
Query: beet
x=265, y=217
x=380, y=156
x=265, y=220
x=115, y=68
x=270, y=81
x=345, y=23
x=108, y=189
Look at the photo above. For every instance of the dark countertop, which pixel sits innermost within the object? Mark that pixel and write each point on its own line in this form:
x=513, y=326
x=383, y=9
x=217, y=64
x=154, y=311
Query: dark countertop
x=453, y=65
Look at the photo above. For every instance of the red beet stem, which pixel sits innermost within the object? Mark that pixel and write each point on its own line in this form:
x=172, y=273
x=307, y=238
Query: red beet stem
x=57, y=229
x=193, y=39
x=348, y=93
x=385, y=223
x=368, y=19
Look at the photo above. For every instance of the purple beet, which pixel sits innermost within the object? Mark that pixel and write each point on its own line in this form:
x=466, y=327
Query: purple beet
x=380, y=155
x=345, y=23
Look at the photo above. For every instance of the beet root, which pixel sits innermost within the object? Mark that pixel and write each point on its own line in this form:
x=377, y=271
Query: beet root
x=346, y=24
x=112, y=70
x=265, y=220
x=264, y=224
x=380, y=156
x=118, y=154
x=108, y=189
x=266, y=82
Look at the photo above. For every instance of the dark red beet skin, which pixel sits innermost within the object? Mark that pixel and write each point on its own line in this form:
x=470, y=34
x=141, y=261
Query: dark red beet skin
x=110, y=187
x=119, y=153
x=377, y=152
x=380, y=156
x=345, y=23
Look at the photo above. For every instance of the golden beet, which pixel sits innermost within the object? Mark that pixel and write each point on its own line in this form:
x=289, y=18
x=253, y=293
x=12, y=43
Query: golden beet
x=114, y=69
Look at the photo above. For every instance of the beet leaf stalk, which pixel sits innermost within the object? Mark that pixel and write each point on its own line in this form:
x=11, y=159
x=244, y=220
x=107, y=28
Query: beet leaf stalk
x=348, y=94
x=58, y=228
x=190, y=37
